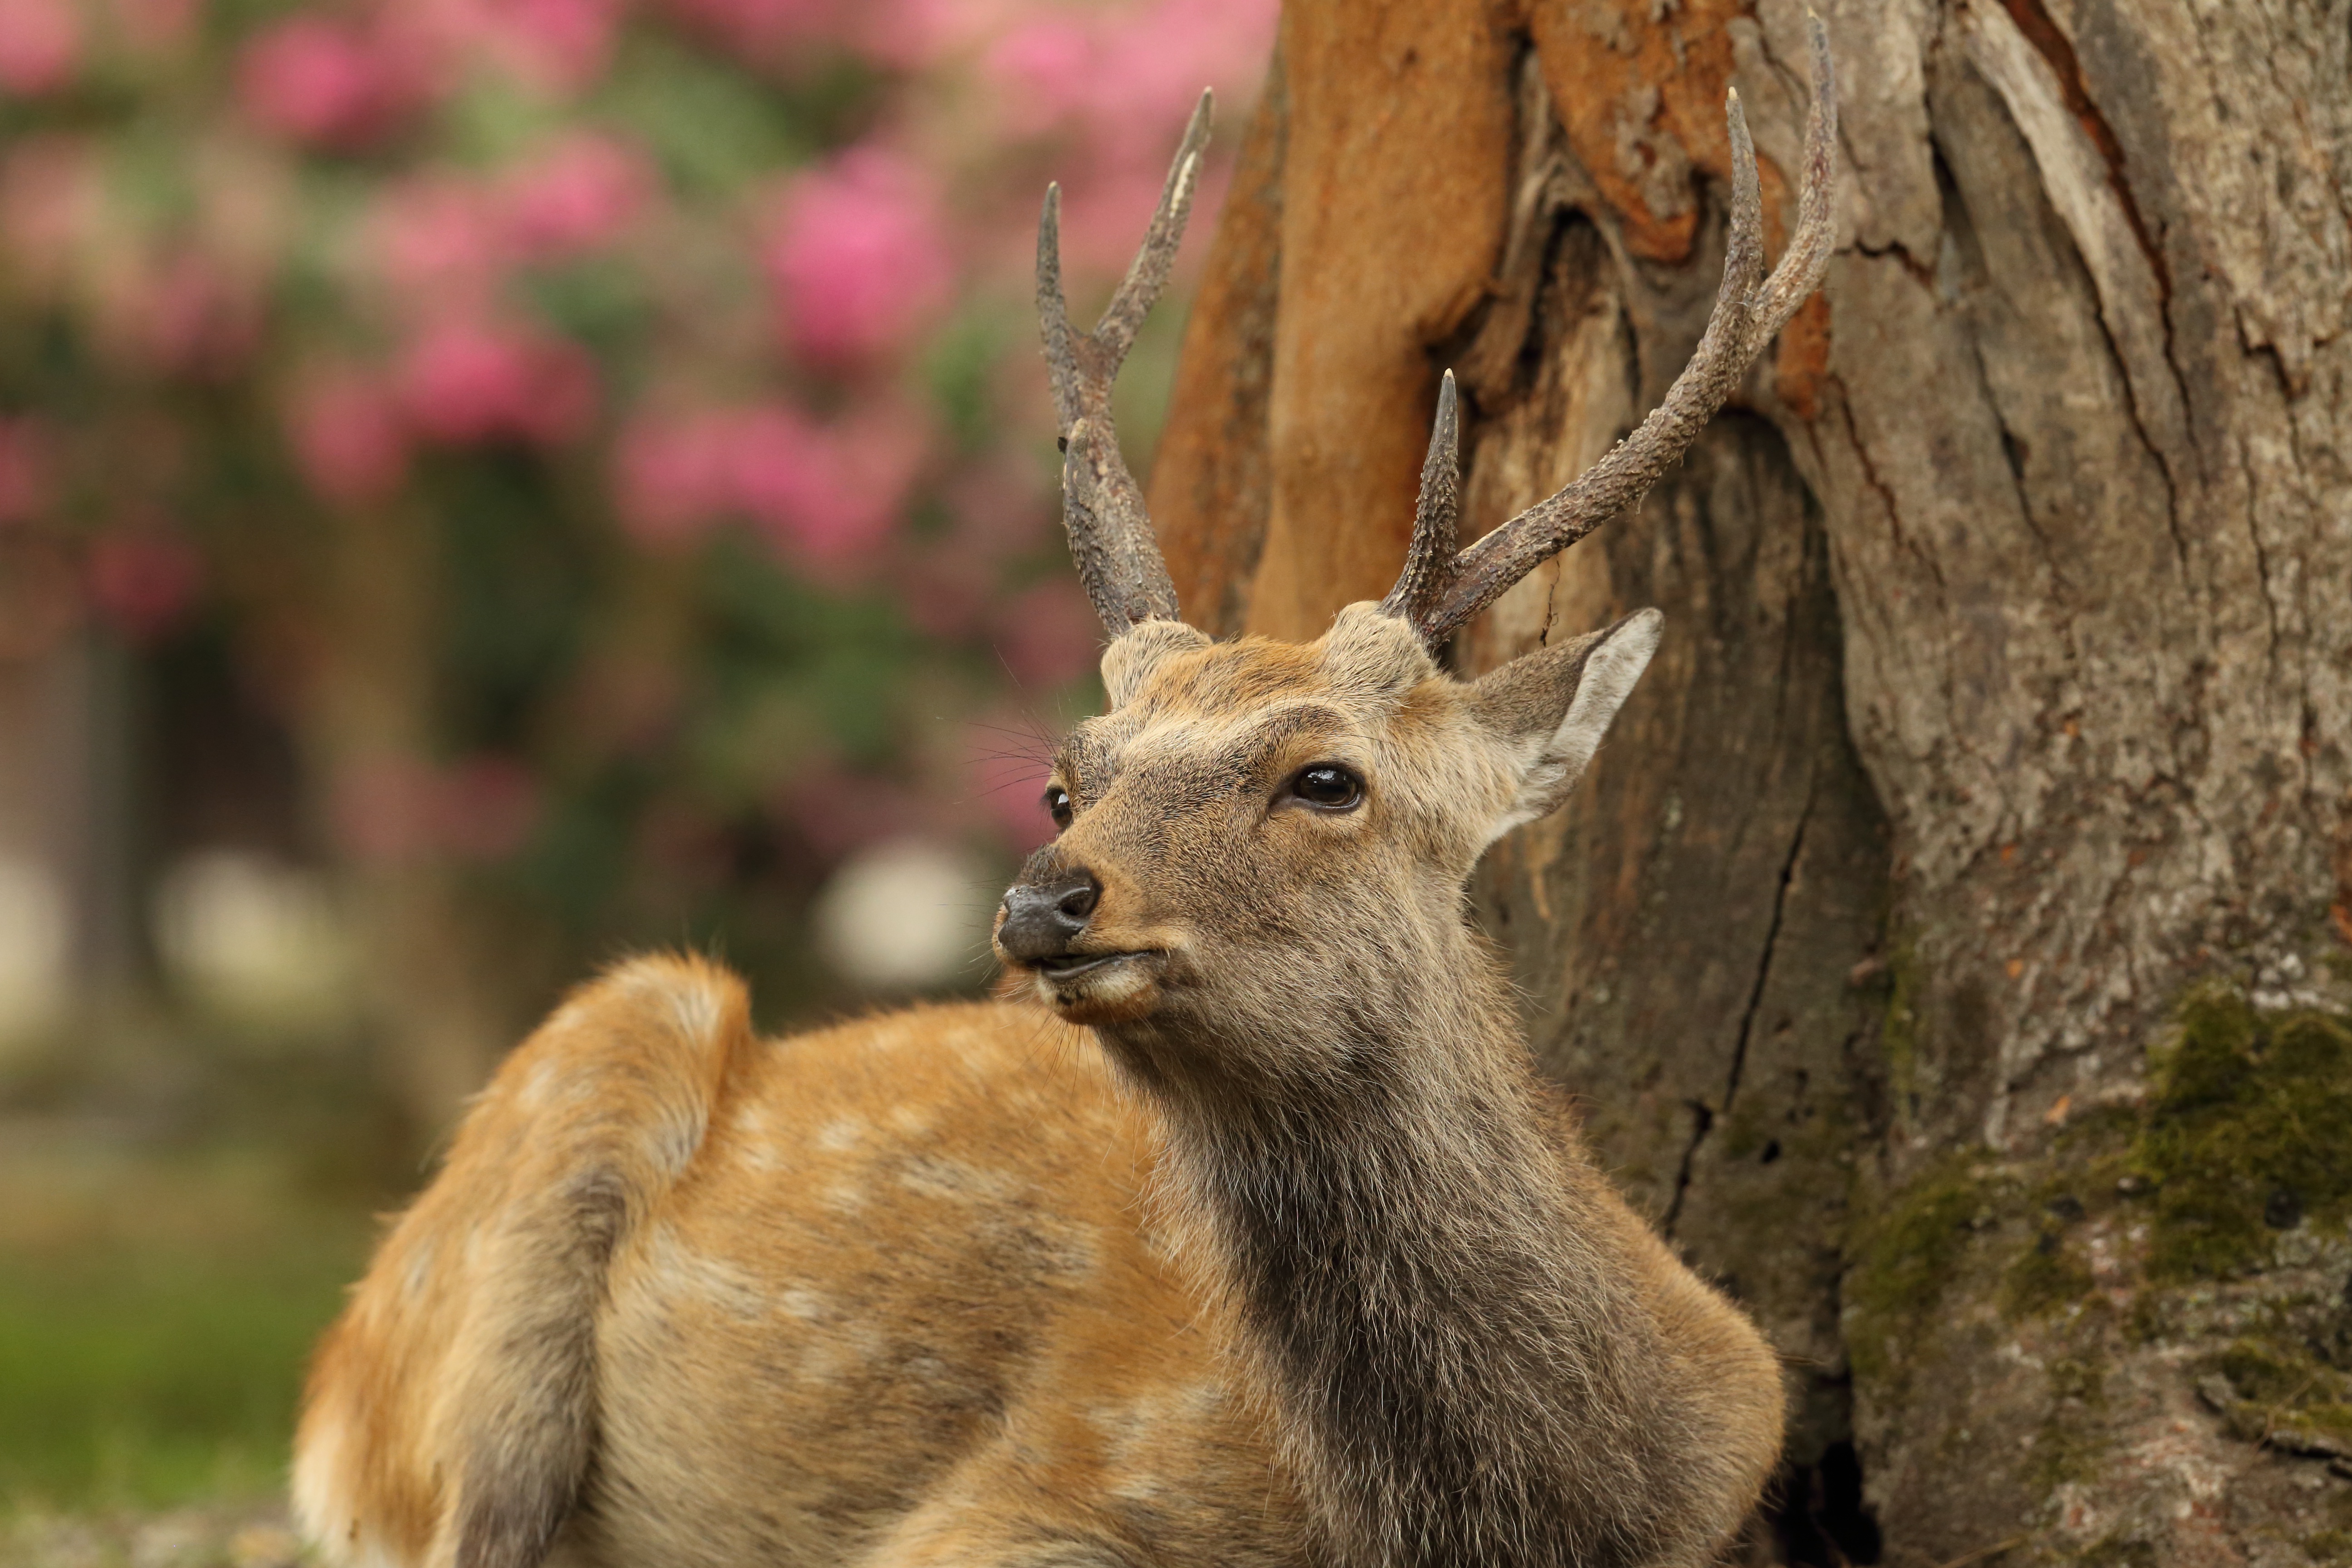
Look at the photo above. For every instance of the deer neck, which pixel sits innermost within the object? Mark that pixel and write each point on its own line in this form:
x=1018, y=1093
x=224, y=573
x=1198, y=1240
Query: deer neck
x=1425, y=1283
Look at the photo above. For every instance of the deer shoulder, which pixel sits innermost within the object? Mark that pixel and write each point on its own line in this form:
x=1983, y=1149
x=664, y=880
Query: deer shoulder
x=1238, y=1230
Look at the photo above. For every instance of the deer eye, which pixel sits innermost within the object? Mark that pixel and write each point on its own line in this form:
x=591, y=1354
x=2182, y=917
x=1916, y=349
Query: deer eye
x=1057, y=802
x=1327, y=786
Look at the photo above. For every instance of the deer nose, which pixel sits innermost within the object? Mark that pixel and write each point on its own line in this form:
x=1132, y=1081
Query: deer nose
x=1040, y=923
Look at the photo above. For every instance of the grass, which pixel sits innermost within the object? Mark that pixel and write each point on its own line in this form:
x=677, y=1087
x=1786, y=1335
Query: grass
x=154, y=1315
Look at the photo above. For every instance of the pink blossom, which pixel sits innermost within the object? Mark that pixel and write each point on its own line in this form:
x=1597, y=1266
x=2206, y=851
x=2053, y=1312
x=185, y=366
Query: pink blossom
x=1041, y=68
x=827, y=494
x=675, y=477
x=28, y=458
x=385, y=808
x=838, y=811
x=997, y=505
x=488, y=807
x=469, y=380
x=393, y=809
x=860, y=255
x=916, y=34
x=155, y=26
x=51, y=196
x=183, y=315
x=558, y=45
x=1126, y=78
x=1121, y=85
x=440, y=242
x=762, y=31
x=579, y=194
x=320, y=80
x=1049, y=635
x=1008, y=781
x=41, y=46
x=144, y=581
x=348, y=438
x=562, y=44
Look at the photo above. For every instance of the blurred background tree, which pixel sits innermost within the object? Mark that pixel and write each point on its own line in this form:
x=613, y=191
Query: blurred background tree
x=486, y=485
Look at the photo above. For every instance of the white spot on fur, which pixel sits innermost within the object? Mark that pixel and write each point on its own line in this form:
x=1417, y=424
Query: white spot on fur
x=805, y=1304
x=695, y=1006
x=843, y=1133
x=954, y=1179
x=683, y=1274
x=320, y=1511
x=540, y=1086
x=420, y=1269
x=675, y=1139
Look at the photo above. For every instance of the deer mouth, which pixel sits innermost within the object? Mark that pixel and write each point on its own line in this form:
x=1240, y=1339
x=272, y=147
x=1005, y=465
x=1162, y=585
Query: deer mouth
x=1099, y=987
x=1077, y=963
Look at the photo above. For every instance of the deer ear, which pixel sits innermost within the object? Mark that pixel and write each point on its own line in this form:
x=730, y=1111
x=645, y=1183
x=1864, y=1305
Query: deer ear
x=1551, y=708
x=1134, y=653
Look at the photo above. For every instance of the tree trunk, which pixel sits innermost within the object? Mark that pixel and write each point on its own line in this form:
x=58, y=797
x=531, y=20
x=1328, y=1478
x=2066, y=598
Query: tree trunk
x=1944, y=947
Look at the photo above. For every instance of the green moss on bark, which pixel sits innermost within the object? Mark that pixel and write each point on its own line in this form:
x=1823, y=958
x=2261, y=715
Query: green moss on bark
x=1907, y=1254
x=2248, y=1131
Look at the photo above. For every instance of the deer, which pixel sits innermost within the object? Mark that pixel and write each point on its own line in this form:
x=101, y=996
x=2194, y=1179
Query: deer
x=1237, y=1227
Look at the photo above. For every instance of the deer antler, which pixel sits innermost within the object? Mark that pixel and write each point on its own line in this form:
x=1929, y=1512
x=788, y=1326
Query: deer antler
x=1439, y=591
x=1102, y=507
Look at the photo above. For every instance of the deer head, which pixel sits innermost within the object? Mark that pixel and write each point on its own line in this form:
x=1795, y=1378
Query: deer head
x=1257, y=828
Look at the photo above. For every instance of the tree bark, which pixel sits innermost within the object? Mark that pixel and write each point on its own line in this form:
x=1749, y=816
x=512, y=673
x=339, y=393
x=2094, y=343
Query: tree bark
x=1994, y=774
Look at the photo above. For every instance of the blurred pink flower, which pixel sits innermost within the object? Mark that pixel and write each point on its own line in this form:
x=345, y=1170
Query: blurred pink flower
x=1049, y=635
x=762, y=31
x=487, y=809
x=838, y=811
x=41, y=46
x=558, y=45
x=828, y=494
x=51, y=196
x=183, y=315
x=825, y=493
x=860, y=255
x=918, y=35
x=384, y=809
x=440, y=242
x=673, y=478
x=395, y=809
x=471, y=380
x=1127, y=75
x=999, y=505
x=144, y=580
x=348, y=438
x=1119, y=83
x=28, y=455
x=1008, y=780
x=321, y=80
x=579, y=193
x=155, y=26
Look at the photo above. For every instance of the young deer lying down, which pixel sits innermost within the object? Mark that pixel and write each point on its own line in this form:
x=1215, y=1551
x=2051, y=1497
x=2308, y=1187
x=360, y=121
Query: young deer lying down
x=1240, y=1233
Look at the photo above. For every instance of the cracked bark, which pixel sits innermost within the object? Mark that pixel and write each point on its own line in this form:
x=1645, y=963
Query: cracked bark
x=2005, y=695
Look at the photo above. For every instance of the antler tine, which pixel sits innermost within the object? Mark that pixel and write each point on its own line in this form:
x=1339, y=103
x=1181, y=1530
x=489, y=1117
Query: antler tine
x=1428, y=558
x=1743, y=319
x=1110, y=534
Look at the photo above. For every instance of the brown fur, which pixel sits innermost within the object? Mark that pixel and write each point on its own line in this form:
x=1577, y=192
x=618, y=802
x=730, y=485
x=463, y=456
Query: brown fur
x=1268, y=1248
